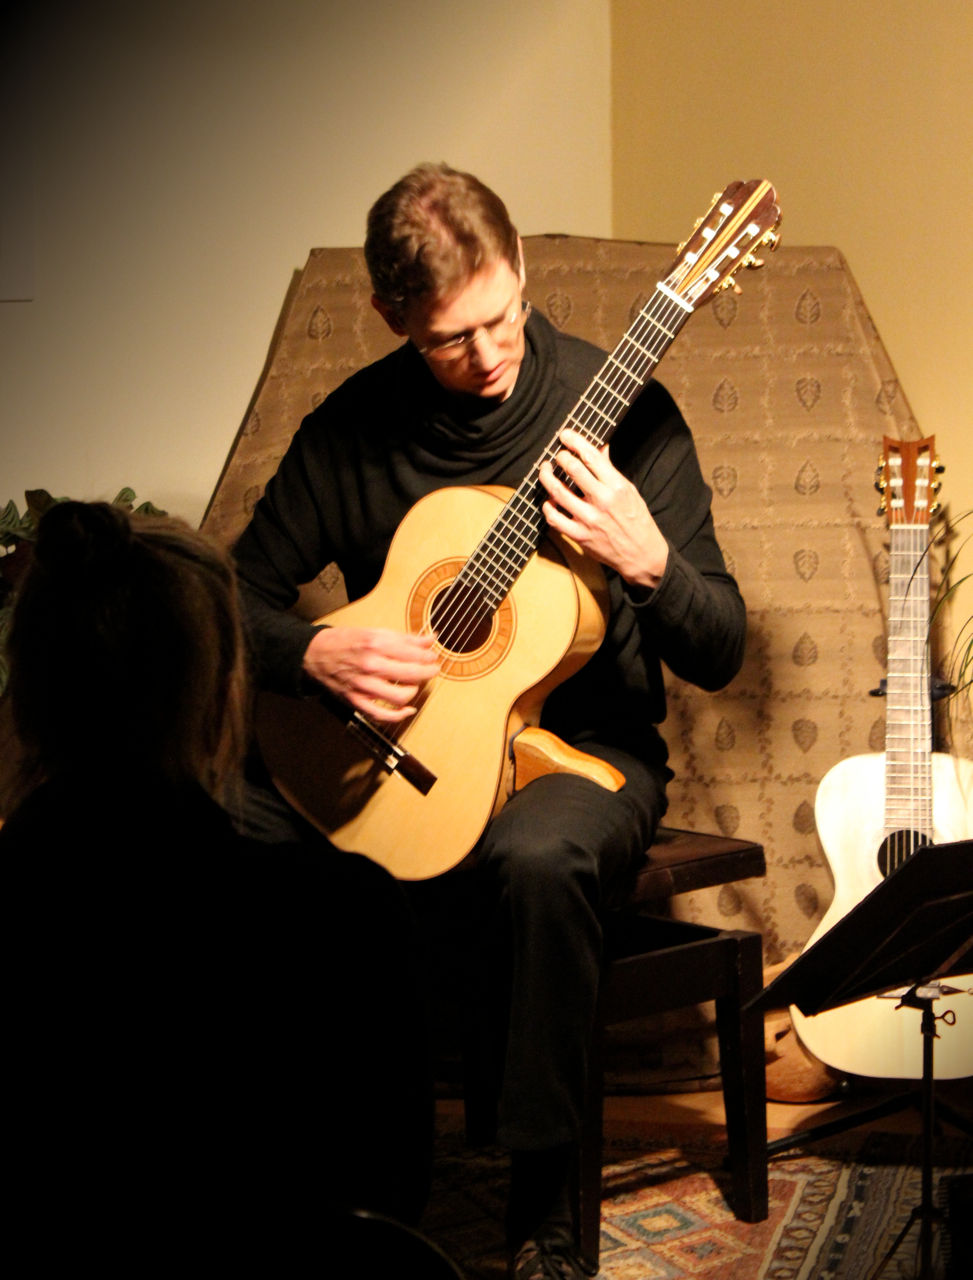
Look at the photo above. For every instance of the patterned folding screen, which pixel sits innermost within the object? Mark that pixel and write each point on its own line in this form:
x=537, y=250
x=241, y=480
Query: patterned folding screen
x=788, y=391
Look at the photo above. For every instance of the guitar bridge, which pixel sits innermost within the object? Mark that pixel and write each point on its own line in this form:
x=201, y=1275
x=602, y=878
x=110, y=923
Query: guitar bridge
x=392, y=757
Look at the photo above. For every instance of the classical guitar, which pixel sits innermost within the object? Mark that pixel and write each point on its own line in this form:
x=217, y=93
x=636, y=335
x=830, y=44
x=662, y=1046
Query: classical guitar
x=874, y=811
x=513, y=618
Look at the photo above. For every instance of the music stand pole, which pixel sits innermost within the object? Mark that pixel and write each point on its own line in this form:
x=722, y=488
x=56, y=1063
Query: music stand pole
x=922, y=997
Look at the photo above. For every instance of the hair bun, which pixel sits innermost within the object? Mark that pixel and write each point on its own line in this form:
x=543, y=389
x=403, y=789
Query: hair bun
x=80, y=538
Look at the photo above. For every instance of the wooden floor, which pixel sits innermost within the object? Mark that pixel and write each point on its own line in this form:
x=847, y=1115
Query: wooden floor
x=627, y=1117
x=783, y=1119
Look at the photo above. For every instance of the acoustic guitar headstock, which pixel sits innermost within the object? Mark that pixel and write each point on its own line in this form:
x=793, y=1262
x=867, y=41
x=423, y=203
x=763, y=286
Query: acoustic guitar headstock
x=742, y=220
x=906, y=480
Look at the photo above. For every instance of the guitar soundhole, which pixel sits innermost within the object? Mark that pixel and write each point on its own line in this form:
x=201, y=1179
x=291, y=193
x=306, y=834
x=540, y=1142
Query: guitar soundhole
x=898, y=848
x=461, y=618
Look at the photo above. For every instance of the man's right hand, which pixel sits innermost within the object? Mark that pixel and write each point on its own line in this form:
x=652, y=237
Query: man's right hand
x=378, y=671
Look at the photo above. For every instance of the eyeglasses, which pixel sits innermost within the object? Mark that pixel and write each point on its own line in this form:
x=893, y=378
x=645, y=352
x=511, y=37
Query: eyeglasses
x=502, y=330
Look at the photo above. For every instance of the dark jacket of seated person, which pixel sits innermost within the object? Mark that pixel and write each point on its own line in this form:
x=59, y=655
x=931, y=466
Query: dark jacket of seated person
x=212, y=1040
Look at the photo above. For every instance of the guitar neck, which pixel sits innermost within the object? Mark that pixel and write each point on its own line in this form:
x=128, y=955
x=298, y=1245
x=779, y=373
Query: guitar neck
x=740, y=220
x=516, y=533
x=908, y=718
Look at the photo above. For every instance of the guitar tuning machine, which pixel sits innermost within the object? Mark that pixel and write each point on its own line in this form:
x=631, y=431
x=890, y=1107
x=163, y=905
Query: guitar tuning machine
x=881, y=485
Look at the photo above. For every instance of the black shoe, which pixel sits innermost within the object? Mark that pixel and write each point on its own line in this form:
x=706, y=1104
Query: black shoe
x=547, y=1258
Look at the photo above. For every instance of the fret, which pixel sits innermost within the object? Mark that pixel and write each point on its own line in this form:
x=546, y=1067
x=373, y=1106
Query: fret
x=649, y=352
x=604, y=417
x=622, y=397
x=642, y=358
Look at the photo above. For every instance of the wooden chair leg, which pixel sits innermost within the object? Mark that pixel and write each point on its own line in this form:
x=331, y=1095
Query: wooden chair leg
x=728, y=962
x=742, y=1067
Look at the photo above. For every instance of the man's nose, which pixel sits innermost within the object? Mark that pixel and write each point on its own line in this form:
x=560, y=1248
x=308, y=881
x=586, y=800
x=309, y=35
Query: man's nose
x=484, y=348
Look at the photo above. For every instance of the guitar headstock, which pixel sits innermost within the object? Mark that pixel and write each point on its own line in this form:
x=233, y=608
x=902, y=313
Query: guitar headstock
x=740, y=221
x=905, y=480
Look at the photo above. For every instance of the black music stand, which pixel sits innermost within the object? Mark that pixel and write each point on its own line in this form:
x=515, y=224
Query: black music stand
x=911, y=931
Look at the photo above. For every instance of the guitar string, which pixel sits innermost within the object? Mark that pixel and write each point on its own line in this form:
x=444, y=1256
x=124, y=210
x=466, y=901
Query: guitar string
x=908, y=732
x=900, y=800
x=518, y=525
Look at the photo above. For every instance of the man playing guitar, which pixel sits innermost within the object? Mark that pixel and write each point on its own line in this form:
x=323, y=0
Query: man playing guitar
x=469, y=398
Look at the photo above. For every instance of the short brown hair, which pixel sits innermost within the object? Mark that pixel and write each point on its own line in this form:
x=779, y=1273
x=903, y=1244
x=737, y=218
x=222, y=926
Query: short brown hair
x=126, y=650
x=433, y=230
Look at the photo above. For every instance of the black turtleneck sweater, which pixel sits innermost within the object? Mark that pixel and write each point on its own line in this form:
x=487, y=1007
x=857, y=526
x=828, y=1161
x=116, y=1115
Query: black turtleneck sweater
x=391, y=434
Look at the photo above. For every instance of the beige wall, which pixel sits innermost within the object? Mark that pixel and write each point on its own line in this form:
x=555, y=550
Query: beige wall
x=187, y=156
x=862, y=116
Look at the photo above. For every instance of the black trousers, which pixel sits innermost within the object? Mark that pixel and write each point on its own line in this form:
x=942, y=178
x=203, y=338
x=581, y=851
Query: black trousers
x=515, y=932
x=526, y=910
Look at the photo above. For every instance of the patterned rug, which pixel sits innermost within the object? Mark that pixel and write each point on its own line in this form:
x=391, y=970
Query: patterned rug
x=665, y=1216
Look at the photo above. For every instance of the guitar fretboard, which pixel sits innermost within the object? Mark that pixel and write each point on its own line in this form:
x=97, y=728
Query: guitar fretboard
x=908, y=724
x=514, y=536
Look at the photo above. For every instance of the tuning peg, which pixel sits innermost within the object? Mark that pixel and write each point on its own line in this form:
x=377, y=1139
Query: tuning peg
x=753, y=262
x=939, y=467
x=771, y=240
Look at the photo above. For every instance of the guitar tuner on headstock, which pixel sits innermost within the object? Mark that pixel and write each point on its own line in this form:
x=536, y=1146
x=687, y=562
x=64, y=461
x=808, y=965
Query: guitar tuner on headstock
x=742, y=218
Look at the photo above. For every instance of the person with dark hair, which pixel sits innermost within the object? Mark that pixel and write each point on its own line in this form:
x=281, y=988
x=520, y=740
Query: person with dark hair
x=473, y=396
x=200, y=1024
x=126, y=650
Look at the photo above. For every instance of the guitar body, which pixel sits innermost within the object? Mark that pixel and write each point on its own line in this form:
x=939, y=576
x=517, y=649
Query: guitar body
x=871, y=1037
x=546, y=628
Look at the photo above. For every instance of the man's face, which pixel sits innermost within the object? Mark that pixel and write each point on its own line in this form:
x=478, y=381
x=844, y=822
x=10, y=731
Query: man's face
x=473, y=340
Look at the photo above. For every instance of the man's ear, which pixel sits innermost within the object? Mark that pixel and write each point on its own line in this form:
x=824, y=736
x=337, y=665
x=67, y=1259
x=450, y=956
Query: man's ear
x=391, y=318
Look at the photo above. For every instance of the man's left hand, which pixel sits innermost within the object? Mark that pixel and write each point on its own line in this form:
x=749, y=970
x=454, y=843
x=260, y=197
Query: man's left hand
x=608, y=519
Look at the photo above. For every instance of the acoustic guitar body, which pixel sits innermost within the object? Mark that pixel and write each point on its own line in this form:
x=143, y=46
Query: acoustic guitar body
x=549, y=624
x=872, y=1037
